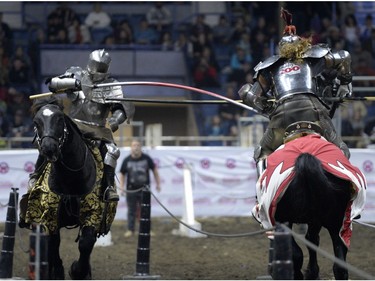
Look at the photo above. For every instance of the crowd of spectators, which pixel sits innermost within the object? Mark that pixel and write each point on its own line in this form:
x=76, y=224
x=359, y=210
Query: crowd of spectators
x=220, y=56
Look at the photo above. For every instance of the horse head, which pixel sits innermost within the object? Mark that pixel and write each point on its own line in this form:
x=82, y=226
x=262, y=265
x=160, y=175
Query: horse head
x=50, y=128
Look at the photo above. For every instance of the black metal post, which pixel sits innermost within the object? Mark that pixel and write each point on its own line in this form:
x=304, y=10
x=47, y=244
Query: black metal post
x=142, y=269
x=270, y=257
x=282, y=264
x=6, y=257
x=38, y=257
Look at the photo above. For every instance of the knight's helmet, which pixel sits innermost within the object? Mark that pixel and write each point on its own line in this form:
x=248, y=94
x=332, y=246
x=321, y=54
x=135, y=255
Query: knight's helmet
x=98, y=65
x=289, y=35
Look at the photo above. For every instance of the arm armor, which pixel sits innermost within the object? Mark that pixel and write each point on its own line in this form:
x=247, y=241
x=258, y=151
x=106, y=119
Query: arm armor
x=341, y=61
x=58, y=84
x=253, y=95
x=118, y=117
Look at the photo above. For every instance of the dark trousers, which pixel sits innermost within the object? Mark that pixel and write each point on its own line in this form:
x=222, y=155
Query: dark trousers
x=134, y=202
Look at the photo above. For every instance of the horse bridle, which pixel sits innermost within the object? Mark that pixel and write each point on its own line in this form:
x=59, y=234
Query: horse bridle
x=61, y=140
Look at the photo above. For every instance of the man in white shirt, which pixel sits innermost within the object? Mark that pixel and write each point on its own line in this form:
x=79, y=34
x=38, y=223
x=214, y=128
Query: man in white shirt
x=97, y=18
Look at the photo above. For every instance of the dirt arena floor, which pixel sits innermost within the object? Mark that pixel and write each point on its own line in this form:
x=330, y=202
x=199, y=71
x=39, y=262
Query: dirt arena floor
x=175, y=257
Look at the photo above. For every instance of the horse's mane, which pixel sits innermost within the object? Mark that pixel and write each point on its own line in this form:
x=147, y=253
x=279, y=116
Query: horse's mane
x=39, y=103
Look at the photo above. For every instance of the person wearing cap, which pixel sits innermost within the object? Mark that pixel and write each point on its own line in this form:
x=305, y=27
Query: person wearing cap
x=296, y=85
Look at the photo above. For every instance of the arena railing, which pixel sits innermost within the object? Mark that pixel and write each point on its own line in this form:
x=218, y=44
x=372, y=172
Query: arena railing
x=13, y=142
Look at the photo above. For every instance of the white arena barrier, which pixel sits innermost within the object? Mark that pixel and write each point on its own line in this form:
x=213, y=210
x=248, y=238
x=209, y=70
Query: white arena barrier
x=223, y=182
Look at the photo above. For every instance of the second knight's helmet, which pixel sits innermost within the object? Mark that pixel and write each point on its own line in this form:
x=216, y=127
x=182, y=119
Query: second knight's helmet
x=98, y=65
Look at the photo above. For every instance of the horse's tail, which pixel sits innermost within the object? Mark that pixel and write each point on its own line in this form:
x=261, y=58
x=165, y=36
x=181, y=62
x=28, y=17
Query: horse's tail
x=309, y=172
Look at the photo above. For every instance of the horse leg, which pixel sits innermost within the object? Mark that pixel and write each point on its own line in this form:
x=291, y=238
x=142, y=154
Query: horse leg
x=297, y=258
x=340, y=251
x=312, y=235
x=81, y=269
x=55, y=267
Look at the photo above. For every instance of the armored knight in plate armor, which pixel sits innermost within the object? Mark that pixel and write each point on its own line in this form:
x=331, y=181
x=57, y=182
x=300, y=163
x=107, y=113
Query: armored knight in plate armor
x=296, y=85
x=90, y=109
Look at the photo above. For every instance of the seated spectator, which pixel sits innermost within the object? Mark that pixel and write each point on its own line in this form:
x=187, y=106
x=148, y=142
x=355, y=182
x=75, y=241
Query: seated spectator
x=209, y=55
x=97, y=18
x=245, y=43
x=367, y=28
x=334, y=36
x=199, y=45
x=54, y=25
x=166, y=41
x=205, y=75
x=19, y=76
x=37, y=38
x=214, y=128
x=4, y=122
x=260, y=26
x=19, y=53
x=78, y=33
x=369, y=44
x=124, y=33
x=65, y=14
x=240, y=65
x=145, y=35
x=362, y=65
x=108, y=41
x=62, y=37
x=222, y=31
x=350, y=31
x=4, y=73
x=159, y=17
x=239, y=28
x=229, y=112
x=353, y=118
x=258, y=44
x=199, y=27
x=17, y=101
x=325, y=29
x=21, y=125
x=233, y=132
x=183, y=44
x=6, y=35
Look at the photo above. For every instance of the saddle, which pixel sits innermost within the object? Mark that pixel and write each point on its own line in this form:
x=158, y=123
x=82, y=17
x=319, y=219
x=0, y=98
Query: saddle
x=300, y=129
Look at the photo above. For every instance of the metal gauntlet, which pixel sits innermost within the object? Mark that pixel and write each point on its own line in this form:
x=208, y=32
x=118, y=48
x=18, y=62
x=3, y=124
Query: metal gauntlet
x=58, y=84
x=341, y=61
x=251, y=95
x=117, y=118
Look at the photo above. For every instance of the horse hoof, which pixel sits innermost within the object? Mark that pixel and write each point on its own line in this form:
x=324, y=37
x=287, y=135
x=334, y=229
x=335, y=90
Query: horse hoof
x=57, y=273
x=76, y=273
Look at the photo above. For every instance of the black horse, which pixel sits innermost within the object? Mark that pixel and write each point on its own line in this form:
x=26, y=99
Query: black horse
x=67, y=193
x=312, y=183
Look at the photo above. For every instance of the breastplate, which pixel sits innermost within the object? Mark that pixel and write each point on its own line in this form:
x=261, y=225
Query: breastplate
x=89, y=112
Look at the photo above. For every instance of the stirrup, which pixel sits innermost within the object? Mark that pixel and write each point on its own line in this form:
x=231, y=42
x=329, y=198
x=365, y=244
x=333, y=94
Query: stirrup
x=110, y=195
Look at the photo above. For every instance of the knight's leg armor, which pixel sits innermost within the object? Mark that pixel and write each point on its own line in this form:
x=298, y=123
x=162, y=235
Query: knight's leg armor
x=260, y=160
x=110, y=155
x=331, y=135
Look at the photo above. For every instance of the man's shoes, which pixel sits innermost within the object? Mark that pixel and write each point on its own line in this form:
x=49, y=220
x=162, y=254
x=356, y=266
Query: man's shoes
x=110, y=195
x=128, y=233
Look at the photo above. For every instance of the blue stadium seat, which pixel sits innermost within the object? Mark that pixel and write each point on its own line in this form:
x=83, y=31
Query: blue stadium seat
x=98, y=34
